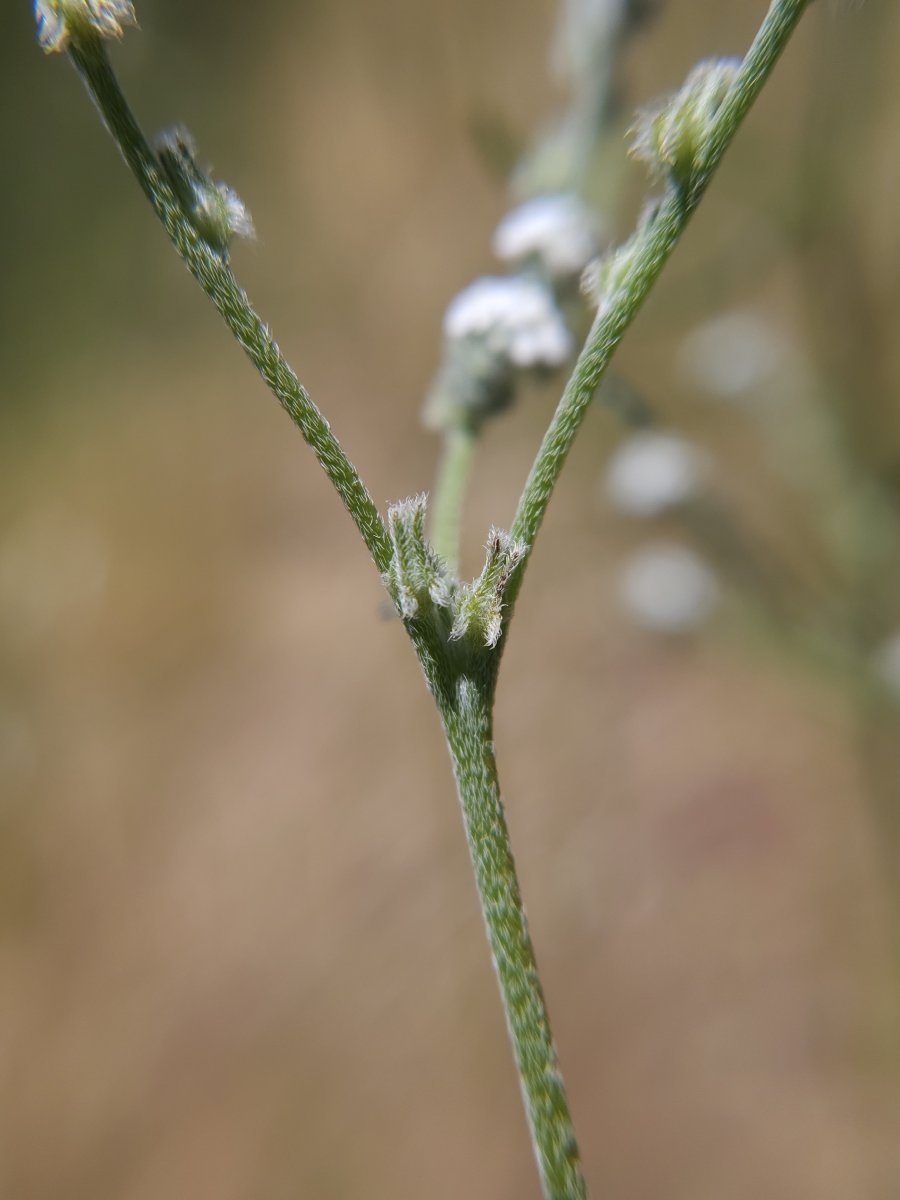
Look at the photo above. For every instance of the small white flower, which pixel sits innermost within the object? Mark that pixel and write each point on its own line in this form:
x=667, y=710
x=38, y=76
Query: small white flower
x=669, y=589
x=516, y=317
x=731, y=354
x=558, y=230
x=653, y=472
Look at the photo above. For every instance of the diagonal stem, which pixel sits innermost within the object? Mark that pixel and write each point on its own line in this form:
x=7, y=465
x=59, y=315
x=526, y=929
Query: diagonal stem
x=216, y=278
x=654, y=244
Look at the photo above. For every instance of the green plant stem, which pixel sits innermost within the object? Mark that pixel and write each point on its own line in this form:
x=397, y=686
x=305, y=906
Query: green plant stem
x=214, y=275
x=457, y=455
x=655, y=241
x=466, y=714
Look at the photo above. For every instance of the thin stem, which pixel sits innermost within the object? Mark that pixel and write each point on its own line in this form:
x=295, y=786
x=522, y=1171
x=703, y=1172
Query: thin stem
x=214, y=275
x=652, y=247
x=467, y=722
x=457, y=455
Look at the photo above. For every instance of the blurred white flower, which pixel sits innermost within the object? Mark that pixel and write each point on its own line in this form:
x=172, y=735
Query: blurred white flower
x=558, y=230
x=516, y=317
x=584, y=35
x=731, y=354
x=887, y=662
x=652, y=472
x=669, y=589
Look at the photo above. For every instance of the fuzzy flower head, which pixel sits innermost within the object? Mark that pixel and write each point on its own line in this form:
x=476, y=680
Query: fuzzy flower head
x=59, y=20
x=556, y=231
x=674, y=136
x=516, y=318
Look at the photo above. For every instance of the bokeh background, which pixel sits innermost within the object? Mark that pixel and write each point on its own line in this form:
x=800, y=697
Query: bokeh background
x=241, y=955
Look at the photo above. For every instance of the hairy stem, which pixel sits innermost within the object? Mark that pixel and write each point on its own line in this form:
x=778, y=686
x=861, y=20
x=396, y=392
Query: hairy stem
x=654, y=243
x=214, y=275
x=467, y=723
x=457, y=454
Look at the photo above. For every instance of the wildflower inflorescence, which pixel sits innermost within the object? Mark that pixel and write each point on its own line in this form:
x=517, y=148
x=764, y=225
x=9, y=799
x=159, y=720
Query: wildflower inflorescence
x=495, y=332
x=495, y=328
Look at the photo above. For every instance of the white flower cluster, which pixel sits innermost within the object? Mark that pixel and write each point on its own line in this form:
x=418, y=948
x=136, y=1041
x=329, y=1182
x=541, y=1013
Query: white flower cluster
x=556, y=230
x=653, y=471
x=516, y=317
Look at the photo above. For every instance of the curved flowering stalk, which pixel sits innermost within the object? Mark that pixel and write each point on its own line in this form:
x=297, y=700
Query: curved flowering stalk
x=457, y=629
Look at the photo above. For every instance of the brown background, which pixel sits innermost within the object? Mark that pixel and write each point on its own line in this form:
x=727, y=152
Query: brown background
x=241, y=957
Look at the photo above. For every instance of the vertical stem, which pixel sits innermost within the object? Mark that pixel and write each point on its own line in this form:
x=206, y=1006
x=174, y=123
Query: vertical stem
x=467, y=722
x=457, y=453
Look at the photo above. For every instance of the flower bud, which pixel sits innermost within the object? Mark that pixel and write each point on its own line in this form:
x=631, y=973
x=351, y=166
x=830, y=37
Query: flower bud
x=674, y=137
x=60, y=20
x=214, y=209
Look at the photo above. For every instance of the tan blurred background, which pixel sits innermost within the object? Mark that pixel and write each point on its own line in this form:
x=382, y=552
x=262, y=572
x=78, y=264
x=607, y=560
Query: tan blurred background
x=241, y=956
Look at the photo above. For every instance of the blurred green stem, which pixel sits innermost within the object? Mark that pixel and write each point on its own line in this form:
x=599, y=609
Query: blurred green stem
x=457, y=455
x=212, y=272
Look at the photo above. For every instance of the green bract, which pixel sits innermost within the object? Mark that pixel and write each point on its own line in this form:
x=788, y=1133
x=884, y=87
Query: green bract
x=674, y=137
